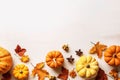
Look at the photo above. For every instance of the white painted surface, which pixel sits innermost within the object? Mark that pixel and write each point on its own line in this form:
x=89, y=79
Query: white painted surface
x=44, y=25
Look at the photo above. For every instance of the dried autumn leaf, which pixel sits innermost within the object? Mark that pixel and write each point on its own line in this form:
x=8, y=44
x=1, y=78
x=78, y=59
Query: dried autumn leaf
x=39, y=71
x=70, y=59
x=114, y=73
x=118, y=78
x=6, y=76
x=64, y=74
x=20, y=51
x=98, y=48
x=79, y=52
x=101, y=75
x=42, y=74
x=38, y=66
x=72, y=73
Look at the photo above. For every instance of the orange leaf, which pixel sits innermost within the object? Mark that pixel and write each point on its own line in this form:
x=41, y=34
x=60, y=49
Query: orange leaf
x=72, y=74
x=38, y=69
x=101, y=75
x=64, y=74
x=42, y=74
x=113, y=73
x=118, y=78
x=20, y=51
x=98, y=48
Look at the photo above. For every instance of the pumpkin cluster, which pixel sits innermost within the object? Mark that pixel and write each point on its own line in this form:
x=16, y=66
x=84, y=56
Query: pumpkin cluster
x=86, y=66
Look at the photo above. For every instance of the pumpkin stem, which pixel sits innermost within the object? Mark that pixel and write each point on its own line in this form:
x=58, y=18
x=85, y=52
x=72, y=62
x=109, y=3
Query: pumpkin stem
x=114, y=56
x=88, y=66
x=21, y=71
x=54, y=59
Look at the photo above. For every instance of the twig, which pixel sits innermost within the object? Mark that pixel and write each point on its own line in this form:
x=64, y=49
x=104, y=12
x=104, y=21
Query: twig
x=92, y=43
x=32, y=64
x=110, y=76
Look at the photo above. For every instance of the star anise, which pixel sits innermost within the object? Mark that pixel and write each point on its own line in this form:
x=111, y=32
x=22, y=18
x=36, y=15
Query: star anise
x=70, y=59
x=79, y=52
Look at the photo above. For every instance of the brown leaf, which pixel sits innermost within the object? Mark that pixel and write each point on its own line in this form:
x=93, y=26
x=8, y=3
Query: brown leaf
x=72, y=73
x=38, y=69
x=79, y=52
x=114, y=73
x=64, y=74
x=98, y=48
x=101, y=75
x=70, y=59
x=6, y=76
x=20, y=51
x=118, y=78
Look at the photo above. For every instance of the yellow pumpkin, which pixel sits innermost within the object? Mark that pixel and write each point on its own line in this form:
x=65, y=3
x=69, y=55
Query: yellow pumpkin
x=54, y=59
x=112, y=55
x=87, y=67
x=21, y=72
x=5, y=61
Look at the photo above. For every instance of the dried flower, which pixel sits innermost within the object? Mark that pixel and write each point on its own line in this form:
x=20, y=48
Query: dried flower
x=70, y=59
x=65, y=47
x=79, y=52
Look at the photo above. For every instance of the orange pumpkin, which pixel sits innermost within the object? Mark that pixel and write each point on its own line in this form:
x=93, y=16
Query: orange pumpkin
x=54, y=59
x=5, y=61
x=112, y=55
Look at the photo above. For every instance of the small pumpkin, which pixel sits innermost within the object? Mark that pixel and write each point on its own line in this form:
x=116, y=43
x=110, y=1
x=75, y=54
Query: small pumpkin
x=87, y=67
x=54, y=59
x=112, y=55
x=20, y=72
x=5, y=61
